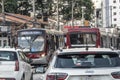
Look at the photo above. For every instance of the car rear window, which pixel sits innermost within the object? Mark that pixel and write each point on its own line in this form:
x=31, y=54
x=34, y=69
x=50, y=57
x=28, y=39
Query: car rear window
x=87, y=60
x=8, y=56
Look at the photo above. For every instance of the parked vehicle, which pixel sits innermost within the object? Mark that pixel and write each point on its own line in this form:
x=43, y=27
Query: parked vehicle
x=84, y=64
x=14, y=65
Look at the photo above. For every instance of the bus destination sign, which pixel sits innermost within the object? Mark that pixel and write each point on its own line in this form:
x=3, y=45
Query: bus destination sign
x=31, y=33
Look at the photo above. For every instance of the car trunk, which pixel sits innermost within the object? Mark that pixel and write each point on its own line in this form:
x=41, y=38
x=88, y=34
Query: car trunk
x=7, y=66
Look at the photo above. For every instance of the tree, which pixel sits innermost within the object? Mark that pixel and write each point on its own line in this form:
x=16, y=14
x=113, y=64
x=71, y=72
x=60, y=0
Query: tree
x=23, y=7
x=67, y=9
x=9, y=6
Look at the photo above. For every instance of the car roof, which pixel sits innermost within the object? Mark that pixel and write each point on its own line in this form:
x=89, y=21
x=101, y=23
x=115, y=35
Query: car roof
x=69, y=50
x=8, y=49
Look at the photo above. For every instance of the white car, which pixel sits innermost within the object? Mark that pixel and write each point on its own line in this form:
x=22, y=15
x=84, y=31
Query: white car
x=84, y=64
x=14, y=65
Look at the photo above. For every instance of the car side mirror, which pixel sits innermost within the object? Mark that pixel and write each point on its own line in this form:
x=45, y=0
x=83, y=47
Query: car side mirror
x=29, y=60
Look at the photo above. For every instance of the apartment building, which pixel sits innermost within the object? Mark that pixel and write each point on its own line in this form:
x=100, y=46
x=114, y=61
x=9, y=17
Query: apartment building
x=111, y=13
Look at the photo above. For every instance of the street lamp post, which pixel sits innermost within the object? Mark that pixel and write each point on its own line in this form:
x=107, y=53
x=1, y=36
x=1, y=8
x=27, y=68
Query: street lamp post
x=83, y=8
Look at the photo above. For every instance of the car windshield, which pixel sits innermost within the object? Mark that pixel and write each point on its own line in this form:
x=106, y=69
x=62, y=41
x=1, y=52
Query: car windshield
x=8, y=56
x=87, y=60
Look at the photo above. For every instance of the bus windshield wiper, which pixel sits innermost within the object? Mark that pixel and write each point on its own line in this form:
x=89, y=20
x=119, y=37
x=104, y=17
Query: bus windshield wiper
x=31, y=40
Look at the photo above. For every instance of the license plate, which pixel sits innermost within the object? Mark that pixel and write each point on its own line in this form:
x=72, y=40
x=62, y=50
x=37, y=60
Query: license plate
x=89, y=78
x=86, y=78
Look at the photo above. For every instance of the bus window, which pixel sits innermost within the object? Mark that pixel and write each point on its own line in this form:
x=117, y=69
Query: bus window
x=80, y=39
x=4, y=43
x=0, y=43
x=77, y=38
x=90, y=38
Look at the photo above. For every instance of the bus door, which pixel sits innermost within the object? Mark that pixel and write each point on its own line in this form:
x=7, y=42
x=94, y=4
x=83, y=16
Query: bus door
x=3, y=41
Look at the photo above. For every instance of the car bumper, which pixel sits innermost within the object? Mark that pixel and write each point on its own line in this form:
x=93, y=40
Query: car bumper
x=42, y=60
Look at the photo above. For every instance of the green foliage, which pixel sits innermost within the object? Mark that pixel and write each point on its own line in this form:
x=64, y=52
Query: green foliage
x=49, y=8
x=24, y=7
x=10, y=6
x=77, y=10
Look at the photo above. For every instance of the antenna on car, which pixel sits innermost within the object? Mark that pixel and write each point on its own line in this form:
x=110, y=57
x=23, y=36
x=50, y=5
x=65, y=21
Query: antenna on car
x=86, y=48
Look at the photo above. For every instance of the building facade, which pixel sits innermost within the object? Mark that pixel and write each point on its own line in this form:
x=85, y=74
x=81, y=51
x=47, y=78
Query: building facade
x=111, y=13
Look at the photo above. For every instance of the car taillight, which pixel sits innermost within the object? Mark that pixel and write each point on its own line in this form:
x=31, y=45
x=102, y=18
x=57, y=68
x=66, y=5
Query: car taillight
x=7, y=79
x=16, y=66
x=37, y=55
x=56, y=76
x=116, y=75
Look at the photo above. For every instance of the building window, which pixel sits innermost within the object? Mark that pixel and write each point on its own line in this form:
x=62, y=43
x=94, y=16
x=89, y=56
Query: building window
x=115, y=19
x=114, y=1
x=115, y=25
x=114, y=7
x=114, y=13
x=4, y=43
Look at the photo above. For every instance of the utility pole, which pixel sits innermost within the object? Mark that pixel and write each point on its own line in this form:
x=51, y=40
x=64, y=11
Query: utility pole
x=3, y=12
x=72, y=14
x=95, y=17
x=34, y=17
x=111, y=14
x=58, y=14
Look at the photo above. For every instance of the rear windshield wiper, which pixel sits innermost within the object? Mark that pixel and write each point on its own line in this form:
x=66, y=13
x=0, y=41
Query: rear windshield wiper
x=82, y=66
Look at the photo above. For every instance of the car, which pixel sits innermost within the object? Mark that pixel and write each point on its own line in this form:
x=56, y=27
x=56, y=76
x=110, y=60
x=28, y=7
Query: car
x=14, y=65
x=83, y=64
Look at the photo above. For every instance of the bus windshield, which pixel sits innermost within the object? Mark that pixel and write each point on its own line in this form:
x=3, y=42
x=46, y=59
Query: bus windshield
x=82, y=39
x=33, y=43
